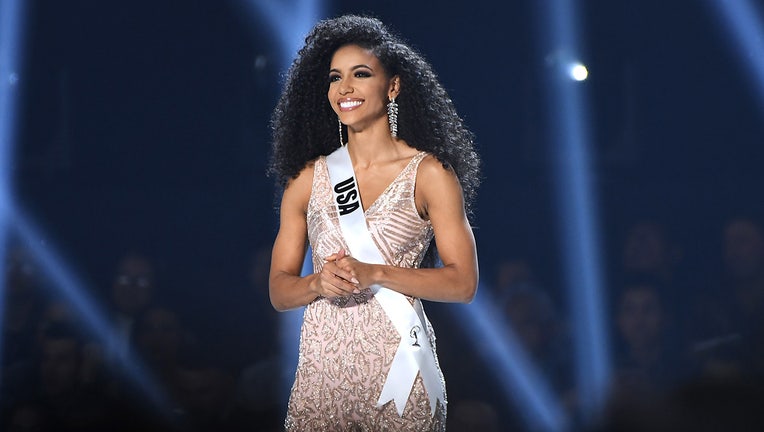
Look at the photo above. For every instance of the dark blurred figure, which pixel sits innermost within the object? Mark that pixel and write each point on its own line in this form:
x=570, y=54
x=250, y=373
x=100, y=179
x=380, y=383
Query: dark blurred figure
x=68, y=404
x=207, y=396
x=729, y=333
x=533, y=317
x=744, y=265
x=132, y=292
x=159, y=338
x=650, y=249
x=649, y=354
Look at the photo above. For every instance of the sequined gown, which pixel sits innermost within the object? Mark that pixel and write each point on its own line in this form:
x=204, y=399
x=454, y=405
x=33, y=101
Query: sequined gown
x=347, y=346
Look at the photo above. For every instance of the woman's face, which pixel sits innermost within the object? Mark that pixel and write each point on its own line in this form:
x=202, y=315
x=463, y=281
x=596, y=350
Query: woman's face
x=359, y=88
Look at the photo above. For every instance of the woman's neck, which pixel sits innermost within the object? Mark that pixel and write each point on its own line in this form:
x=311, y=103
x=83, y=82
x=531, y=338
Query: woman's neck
x=374, y=145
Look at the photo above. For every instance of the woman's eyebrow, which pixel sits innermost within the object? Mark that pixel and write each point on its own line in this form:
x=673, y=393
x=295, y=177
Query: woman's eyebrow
x=354, y=68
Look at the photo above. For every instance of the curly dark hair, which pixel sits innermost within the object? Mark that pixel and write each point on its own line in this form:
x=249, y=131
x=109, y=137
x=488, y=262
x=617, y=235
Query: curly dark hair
x=304, y=125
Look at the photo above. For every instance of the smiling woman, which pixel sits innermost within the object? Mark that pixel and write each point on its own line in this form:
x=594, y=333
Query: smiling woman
x=370, y=208
x=359, y=88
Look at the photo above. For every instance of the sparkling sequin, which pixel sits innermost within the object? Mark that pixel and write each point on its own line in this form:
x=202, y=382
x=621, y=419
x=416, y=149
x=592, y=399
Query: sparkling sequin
x=348, y=345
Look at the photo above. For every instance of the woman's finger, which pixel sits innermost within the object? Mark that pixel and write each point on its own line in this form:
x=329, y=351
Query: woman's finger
x=338, y=281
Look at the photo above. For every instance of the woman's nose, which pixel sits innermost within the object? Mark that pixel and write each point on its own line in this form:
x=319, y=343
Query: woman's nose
x=345, y=88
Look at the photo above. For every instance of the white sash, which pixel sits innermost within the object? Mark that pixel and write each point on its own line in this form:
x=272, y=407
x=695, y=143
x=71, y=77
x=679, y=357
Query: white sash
x=414, y=352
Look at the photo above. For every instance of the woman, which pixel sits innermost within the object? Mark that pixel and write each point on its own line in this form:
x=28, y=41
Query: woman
x=367, y=354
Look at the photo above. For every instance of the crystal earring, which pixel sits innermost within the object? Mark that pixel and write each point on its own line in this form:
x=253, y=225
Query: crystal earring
x=340, y=123
x=392, y=117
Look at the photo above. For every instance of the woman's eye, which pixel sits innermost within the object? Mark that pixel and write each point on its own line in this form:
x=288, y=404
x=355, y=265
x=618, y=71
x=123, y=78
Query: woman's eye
x=334, y=78
x=362, y=74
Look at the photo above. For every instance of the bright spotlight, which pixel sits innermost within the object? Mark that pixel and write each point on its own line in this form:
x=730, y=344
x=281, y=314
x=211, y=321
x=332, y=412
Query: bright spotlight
x=579, y=72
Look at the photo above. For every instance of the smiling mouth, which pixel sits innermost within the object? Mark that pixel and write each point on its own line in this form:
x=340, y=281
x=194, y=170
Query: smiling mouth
x=347, y=105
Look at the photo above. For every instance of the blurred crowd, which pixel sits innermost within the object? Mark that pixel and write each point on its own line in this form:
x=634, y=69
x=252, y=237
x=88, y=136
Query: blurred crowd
x=145, y=370
x=686, y=339
x=686, y=336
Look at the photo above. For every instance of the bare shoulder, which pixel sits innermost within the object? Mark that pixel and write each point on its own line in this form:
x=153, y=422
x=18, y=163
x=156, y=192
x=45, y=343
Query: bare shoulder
x=437, y=187
x=433, y=170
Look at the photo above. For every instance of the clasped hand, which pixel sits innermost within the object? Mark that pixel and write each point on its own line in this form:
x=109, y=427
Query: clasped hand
x=341, y=276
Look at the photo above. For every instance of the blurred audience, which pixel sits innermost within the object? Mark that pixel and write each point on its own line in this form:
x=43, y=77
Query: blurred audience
x=677, y=345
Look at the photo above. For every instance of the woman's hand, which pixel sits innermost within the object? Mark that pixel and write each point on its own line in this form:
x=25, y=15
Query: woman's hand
x=335, y=280
x=362, y=273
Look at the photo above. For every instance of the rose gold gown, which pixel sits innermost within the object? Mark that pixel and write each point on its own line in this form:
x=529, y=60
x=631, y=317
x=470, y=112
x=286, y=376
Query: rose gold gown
x=347, y=345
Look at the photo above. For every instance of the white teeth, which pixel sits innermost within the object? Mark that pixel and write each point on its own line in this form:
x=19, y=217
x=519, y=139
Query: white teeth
x=350, y=104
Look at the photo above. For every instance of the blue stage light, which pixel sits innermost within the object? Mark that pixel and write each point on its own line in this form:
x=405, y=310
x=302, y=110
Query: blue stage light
x=745, y=25
x=12, y=20
x=497, y=344
x=577, y=204
x=290, y=20
x=93, y=319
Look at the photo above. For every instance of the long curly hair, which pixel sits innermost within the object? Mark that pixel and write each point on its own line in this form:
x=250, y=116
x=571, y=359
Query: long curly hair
x=304, y=126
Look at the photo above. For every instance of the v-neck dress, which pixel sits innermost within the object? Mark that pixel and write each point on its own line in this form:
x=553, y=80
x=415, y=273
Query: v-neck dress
x=347, y=345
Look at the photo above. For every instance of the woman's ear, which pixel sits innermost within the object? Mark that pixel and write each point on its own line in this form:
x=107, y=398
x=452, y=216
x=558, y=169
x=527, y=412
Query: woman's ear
x=395, y=87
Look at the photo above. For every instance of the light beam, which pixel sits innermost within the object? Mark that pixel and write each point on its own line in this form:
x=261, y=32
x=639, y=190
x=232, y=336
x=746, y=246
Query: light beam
x=502, y=352
x=577, y=203
x=744, y=24
x=12, y=20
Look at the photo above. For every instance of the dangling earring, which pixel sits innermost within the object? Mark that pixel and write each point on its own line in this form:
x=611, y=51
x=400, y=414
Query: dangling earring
x=392, y=117
x=340, y=123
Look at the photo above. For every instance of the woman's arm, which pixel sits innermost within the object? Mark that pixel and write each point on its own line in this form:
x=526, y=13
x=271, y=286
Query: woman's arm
x=439, y=197
x=288, y=290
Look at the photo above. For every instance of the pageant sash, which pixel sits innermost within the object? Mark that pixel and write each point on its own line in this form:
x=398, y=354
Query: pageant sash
x=414, y=353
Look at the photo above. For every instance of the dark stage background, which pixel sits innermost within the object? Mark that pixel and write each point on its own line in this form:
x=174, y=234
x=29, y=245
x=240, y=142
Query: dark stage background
x=144, y=129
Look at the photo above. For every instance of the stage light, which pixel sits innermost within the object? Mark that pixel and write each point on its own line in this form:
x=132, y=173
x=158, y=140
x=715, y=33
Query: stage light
x=579, y=72
x=12, y=21
x=92, y=317
x=290, y=20
x=579, y=226
x=744, y=23
x=495, y=341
